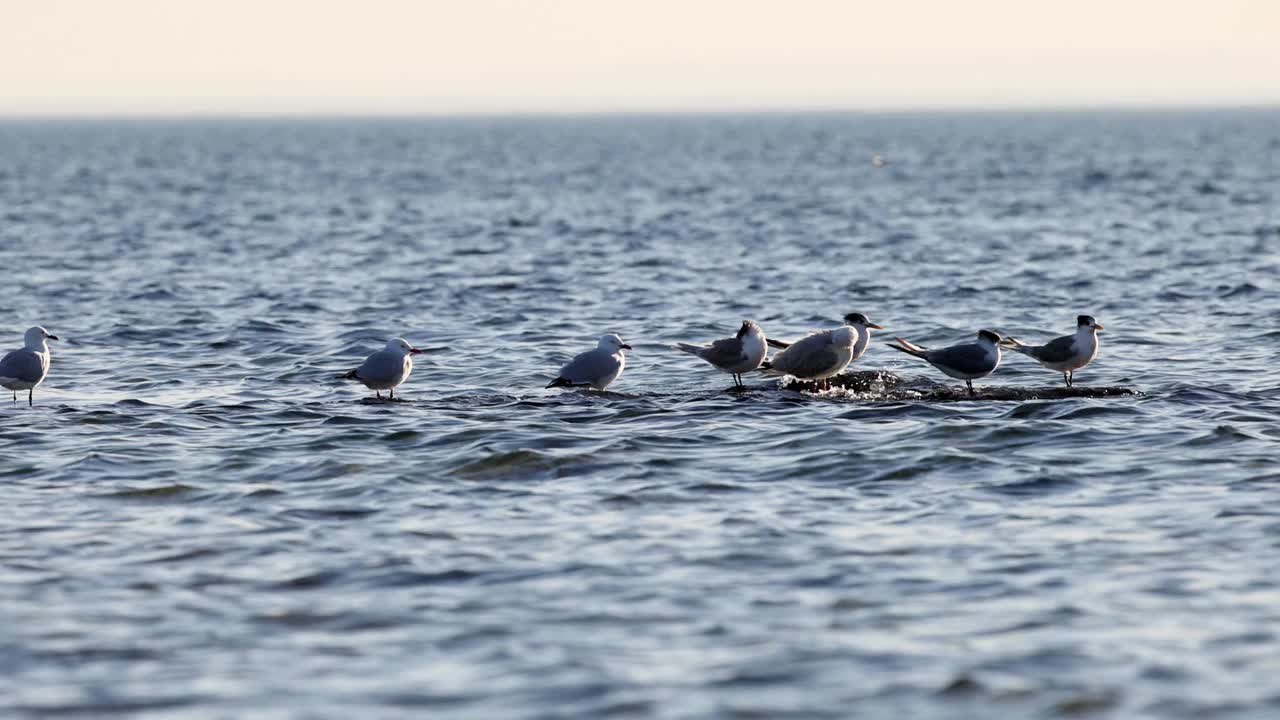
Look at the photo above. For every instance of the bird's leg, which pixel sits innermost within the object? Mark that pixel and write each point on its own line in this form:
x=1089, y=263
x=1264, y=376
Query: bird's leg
x=378, y=393
x=970, y=384
x=1071, y=378
x=1066, y=378
x=30, y=402
x=15, y=397
x=391, y=393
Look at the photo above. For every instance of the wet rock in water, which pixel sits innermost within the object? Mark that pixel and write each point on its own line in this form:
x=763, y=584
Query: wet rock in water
x=885, y=385
x=862, y=381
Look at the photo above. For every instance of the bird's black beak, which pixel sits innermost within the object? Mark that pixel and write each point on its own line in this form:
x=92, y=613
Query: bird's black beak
x=52, y=337
x=625, y=346
x=415, y=351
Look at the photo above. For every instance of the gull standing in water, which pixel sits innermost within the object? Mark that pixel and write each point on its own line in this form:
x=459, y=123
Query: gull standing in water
x=26, y=368
x=735, y=355
x=823, y=354
x=386, y=369
x=594, y=368
x=966, y=362
x=1064, y=354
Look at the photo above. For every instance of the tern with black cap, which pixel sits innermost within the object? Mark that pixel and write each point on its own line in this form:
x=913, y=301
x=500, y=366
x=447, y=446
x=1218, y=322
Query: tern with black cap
x=735, y=355
x=823, y=354
x=1064, y=354
x=967, y=362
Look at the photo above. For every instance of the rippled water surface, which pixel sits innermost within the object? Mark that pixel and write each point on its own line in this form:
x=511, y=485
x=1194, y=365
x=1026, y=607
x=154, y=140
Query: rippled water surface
x=200, y=520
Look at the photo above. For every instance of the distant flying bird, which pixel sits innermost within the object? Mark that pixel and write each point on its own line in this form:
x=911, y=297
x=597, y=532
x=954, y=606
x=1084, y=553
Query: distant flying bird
x=1064, y=354
x=823, y=354
x=594, y=368
x=26, y=368
x=967, y=362
x=735, y=355
x=387, y=368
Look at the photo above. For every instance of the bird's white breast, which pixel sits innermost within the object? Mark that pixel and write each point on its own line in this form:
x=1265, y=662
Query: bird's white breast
x=754, y=348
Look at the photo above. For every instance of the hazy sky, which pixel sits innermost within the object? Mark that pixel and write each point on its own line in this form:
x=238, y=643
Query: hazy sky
x=399, y=56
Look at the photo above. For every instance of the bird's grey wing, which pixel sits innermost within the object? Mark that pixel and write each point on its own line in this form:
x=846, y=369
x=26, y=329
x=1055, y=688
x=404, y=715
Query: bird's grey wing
x=381, y=366
x=1056, y=350
x=589, y=366
x=969, y=359
x=21, y=365
x=724, y=352
x=811, y=356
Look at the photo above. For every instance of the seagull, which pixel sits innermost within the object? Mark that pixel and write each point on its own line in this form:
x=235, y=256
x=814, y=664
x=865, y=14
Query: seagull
x=966, y=362
x=823, y=354
x=387, y=368
x=25, y=369
x=594, y=368
x=1065, y=354
x=735, y=355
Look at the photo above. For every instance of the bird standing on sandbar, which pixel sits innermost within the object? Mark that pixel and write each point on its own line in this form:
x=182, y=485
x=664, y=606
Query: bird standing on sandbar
x=967, y=362
x=594, y=368
x=386, y=369
x=26, y=368
x=1064, y=354
x=735, y=355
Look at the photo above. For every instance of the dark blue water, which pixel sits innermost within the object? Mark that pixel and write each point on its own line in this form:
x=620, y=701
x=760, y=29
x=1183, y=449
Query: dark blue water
x=200, y=521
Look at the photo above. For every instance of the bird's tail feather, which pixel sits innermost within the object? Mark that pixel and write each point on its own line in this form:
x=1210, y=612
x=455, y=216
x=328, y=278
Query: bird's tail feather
x=348, y=376
x=907, y=347
x=1015, y=345
x=686, y=347
x=780, y=344
x=564, y=382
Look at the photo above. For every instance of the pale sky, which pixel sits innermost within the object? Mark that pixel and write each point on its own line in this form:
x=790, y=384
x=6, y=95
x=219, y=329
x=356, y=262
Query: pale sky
x=401, y=57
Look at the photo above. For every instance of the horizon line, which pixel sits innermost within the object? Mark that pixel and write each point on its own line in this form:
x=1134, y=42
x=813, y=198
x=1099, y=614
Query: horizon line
x=657, y=111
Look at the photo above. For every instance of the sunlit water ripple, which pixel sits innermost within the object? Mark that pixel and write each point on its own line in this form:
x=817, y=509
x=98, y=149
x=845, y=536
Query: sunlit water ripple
x=202, y=521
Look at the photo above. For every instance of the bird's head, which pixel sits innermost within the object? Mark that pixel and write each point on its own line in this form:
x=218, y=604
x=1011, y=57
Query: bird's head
x=402, y=346
x=612, y=343
x=1087, y=321
x=35, y=337
x=857, y=319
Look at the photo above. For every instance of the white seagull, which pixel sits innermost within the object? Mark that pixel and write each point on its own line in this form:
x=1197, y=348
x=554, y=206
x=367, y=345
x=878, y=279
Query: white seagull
x=25, y=369
x=387, y=368
x=966, y=362
x=823, y=354
x=1064, y=354
x=735, y=355
x=594, y=368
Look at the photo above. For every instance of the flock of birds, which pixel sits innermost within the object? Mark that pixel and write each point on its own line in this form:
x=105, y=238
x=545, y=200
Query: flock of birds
x=816, y=357
x=826, y=353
